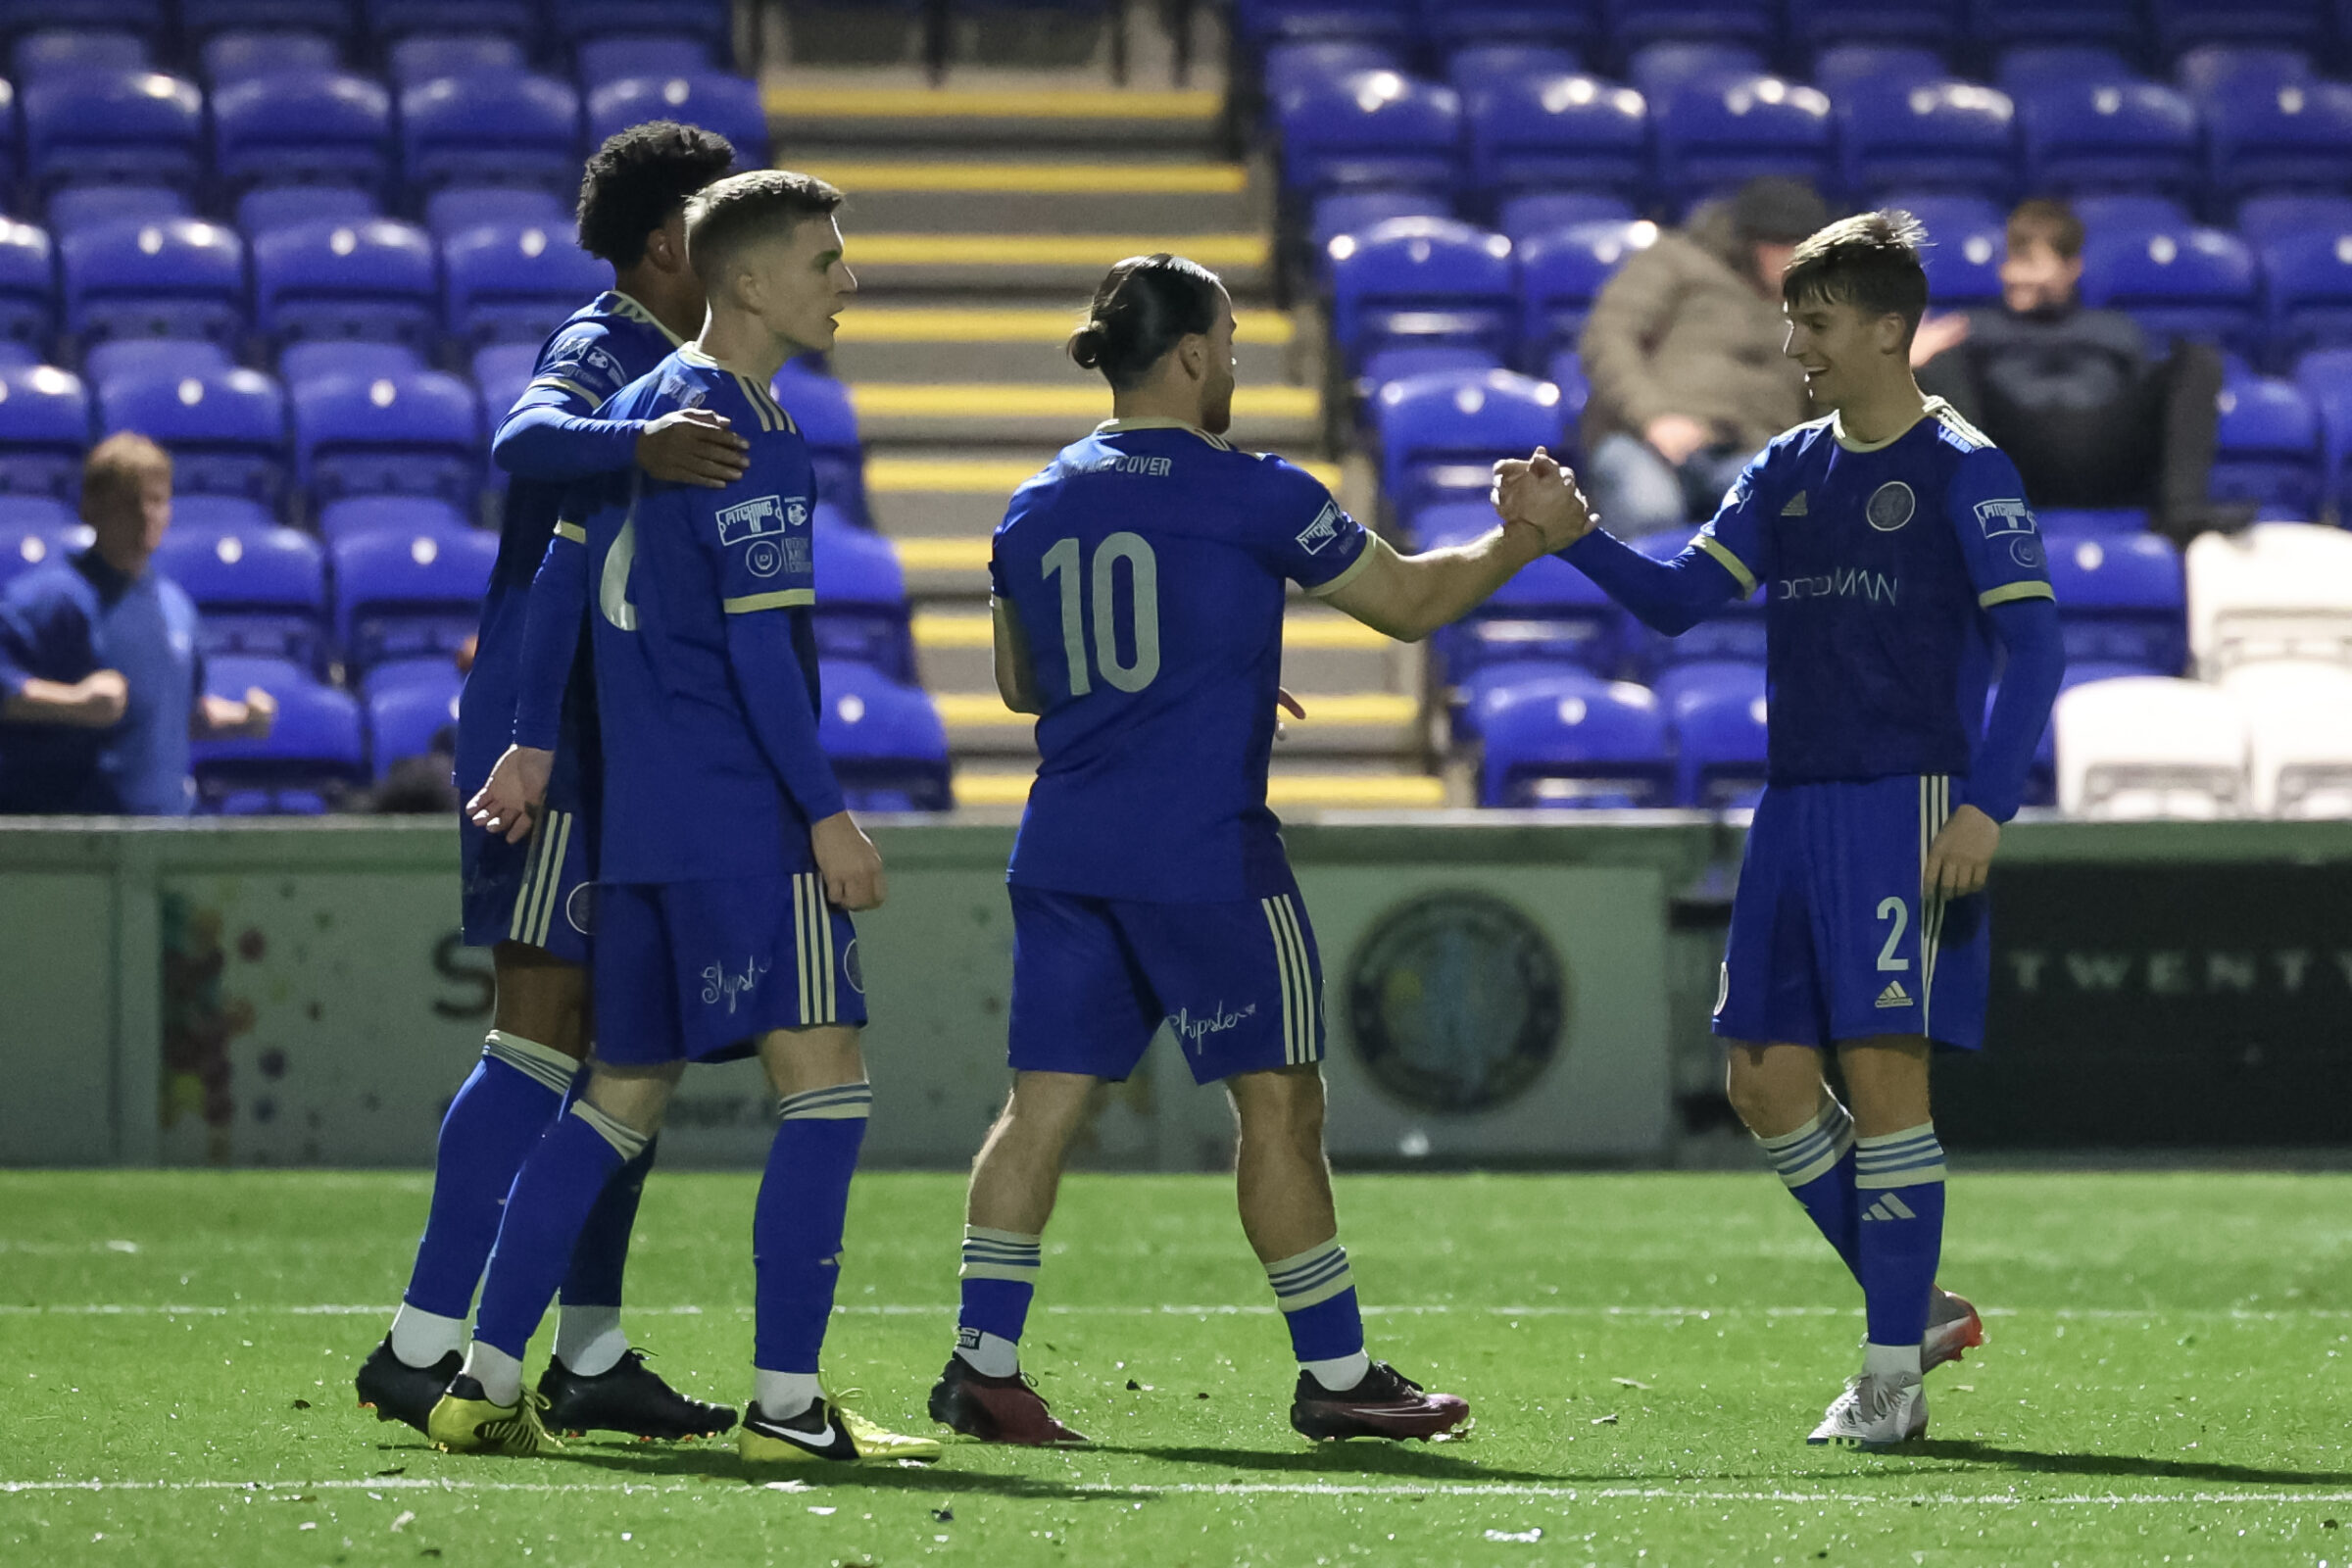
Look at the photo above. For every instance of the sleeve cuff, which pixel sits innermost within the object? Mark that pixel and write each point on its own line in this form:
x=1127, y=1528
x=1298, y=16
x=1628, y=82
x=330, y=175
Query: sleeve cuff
x=1373, y=544
x=2010, y=593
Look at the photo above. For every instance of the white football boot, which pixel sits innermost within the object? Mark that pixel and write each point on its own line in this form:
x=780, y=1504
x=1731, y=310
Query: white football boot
x=1875, y=1413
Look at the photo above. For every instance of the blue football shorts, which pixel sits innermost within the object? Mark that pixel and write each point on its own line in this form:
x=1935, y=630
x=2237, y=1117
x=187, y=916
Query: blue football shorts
x=1092, y=979
x=537, y=892
x=693, y=971
x=1831, y=937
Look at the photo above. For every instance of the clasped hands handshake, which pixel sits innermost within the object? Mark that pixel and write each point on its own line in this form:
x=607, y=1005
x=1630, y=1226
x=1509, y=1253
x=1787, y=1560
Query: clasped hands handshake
x=1540, y=493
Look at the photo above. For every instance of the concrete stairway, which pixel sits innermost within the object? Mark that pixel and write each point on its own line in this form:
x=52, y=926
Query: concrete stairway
x=978, y=223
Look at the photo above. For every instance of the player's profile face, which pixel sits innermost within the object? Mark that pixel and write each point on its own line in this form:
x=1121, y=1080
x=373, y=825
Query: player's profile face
x=1216, y=386
x=1829, y=339
x=803, y=283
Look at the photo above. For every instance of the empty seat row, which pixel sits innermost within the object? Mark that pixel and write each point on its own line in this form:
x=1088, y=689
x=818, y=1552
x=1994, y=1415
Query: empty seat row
x=232, y=56
x=571, y=24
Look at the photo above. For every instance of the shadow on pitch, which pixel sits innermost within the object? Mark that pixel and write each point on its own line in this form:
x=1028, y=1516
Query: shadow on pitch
x=1329, y=1459
x=717, y=1462
x=2120, y=1464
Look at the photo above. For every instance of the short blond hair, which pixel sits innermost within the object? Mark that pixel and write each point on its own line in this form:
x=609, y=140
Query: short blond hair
x=118, y=465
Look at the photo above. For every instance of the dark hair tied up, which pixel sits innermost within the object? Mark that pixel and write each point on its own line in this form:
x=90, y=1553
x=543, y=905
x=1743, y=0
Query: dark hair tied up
x=1145, y=304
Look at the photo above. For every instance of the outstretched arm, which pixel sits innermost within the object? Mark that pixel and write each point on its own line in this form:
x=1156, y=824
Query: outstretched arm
x=1408, y=597
x=1667, y=596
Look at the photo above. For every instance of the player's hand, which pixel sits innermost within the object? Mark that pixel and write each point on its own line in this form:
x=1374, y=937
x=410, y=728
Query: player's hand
x=1676, y=436
x=261, y=713
x=693, y=445
x=1961, y=855
x=516, y=788
x=1937, y=333
x=1290, y=705
x=100, y=699
x=1541, y=495
x=849, y=862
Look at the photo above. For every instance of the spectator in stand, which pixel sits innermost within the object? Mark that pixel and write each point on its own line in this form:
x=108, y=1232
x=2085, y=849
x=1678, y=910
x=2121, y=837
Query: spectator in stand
x=2092, y=418
x=101, y=686
x=1683, y=350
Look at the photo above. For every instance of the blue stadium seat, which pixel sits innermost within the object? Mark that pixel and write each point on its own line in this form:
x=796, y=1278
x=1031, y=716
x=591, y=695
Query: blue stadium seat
x=1290, y=68
x=456, y=209
x=1562, y=273
x=28, y=284
x=44, y=430
x=1846, y=67
x=177, y=277
x=226, y=430
x=2325, y=378
x=820, y=407
x=145, y=17
x=2308, y=291
x=1378, y=130
x=1451, y=25
x=727, y=105
x=1942, y=135
x=2064, y=525
x=1468, y=699
x=1478, y=66
x=234, y=56
x=122, y=357
x=510, y=283
x=502, y=371
x=2265, y=220
x=411, y=515
x=12, y=140
x=1714, y=136
x=73, y=206
x=2267, y=449
x=1945, y=215
x=408, y=716
x=402, y=595
x=134, y=126
x=223, y=514
x=2031, y=68
x=1638, y=26
x=35, y=530
x=1717, y=711
x=1566, y=372
x=1679, y=681
x=1938, y=25
x=314, y=755
x=2293, y=136
x=2088, y=136
x=2184, y=24
x=200, y=20
x=392, y=20
x=1422, y=282
x=1548, y=611
x=54, y=49
x=1658, y=68
x=1544, y=133
x=1440, y=434
x=2129, y=213
x=267, y=207
x=1963, y=265
x=309, y=359
x=374, y=280
x=2208, y=68
x=1400, y=364
x=420, y=57
x=1522, y=217
x=575, y=21
x=1734, y=633
x=885, y=739
x=2193, y=283
x=1574, y=742
x=2122, y=600
x=604, y=60
x=492, y=128
x=256, y=592
x=862, y=614
x=1263, y=22
x=294, y=127
x=17, y=354
x=1353, y=212
x=401, y=435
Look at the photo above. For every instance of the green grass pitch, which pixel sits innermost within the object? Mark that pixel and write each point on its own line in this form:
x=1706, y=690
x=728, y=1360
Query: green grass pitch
x=1644, y=1355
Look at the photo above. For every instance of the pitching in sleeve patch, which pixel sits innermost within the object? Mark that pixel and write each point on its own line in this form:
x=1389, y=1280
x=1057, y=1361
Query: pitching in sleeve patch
x=1322, y=531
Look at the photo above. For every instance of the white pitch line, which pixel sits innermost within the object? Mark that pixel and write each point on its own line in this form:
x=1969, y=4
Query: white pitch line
x=1239, y=1489
x=2070, y=1315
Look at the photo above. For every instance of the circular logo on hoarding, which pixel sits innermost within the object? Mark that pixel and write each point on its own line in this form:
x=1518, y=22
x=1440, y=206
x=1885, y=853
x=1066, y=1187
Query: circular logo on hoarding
x=1891, y=506
x=1457, y=1000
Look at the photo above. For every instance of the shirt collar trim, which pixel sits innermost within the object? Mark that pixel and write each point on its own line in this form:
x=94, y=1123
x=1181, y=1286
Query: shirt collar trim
x=625, y=305
x=1928, y=409
x=1153, y=422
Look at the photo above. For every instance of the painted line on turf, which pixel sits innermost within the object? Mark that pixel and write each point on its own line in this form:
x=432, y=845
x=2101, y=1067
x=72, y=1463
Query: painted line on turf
x=2285, y=1492
x=2076, y=1314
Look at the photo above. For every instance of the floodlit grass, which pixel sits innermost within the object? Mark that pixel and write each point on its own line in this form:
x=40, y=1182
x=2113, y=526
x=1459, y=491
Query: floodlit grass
x=1644, y=1355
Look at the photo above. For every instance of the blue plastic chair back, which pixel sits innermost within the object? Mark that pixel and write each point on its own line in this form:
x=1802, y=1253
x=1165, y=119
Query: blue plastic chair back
x=222, y=512
x=727, y=105
x=2034, y=66
x=314, y=752
x=412, y=715
x=230, y=57
x=2090, y=136
x=35, y=530
x=1545, y=133
x=493, y=127
x=1441, y=433
x=2267, y=447
x=408, y=595
x=1574, y=742
x=2213, y=67
x=55, y=49
x=2184, y=24
x=2068, y=526
x=2325, y=378
x=1634, y=25
x=73, y=206
x=202, y=19
x=389, y=435
x=133, y=126
x=267, y=207
x=257, y=591
x=2124, y=213
x=862, y=614
x=1562, y=273
x=1928, y=135
x=1938, y=25
x=1845, y=68
x=712, y=21
x=2279, y=137
x=1476, y=67
x=519, y=20
x=2122, y=600
x=2192, y=283
x=408, y=515
x=1422, y=282
x=1377, y=130
x=454, y=209
x=1718, y=713
x=1399, y=364
x=1290, y=68
x=605, y=60
x=375, y=280
x=820, y=407
x=318, y=128
x=2308, y=291
x=27, y=284
x=1549, y=611
x=421, y=57
x=317, y=358
x=1260, y=22
x=1658, y=68
x=502, y=371
x=122, y=357
x=886, y=742
x=1449, y=24
x=1355, y=211
x=1715, y=135
x=515, y=283
x=226, y=430
x=44, y=431
x=1522, y=217
x=173, y=277
x=1701, y=677
x=1964, y=267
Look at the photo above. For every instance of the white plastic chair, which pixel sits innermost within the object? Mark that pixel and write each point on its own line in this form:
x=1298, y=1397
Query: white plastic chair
x=2299, y=736
x=2279, y=590
x=2150, y=745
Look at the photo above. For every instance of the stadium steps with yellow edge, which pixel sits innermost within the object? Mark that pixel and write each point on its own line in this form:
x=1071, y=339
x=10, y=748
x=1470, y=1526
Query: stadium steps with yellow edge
x=1290, y=787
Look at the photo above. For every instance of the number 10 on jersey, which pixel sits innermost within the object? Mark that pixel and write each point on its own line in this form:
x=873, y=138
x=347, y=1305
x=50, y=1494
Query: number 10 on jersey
x=1143, y=585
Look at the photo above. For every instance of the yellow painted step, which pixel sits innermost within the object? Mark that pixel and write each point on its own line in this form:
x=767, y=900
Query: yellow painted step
x=985, y=710
x=884, y=324
x=1284, y=791
x=943, y=555
x=983, y=400
x=987, y=475
x=936, y=628
x=969, y=103
x=1173, y=179
x=1050, y=249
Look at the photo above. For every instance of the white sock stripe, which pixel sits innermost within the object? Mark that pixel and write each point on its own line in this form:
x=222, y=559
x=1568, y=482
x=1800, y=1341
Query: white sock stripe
x=838, y=1103
x=1289, y=1289
x=1286, y=1270
x=1869, y=1153
x=1003, y=1252
x=1281, y=971
x=542, y=1063
x=983, y=1233
x=625, y=1140
x=1900, y=1136
x=1309, y=999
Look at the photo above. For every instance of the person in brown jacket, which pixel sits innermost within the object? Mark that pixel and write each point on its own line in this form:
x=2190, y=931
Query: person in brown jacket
x=1683, y=351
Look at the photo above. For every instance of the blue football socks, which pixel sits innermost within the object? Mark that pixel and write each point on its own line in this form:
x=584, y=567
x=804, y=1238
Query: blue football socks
x=499, y=1112
x=554, y=1192
x=998, y=1283
x=1898, y=1180
x=588, y=1334
x=1316, y=1293
x=1817, y=1162
x=796, y=1228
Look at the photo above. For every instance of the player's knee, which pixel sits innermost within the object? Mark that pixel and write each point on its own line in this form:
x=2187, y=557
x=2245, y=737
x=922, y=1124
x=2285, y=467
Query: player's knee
x=637, y=1098
x=1046, y=1109
x=1286, y=1102
x=1768, y=1096
x=541, y=997
x=800, y=1060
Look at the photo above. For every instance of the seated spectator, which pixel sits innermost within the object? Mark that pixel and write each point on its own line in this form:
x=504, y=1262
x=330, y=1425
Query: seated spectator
x=2091, y=417
x=103, y=685
x=1683, y=350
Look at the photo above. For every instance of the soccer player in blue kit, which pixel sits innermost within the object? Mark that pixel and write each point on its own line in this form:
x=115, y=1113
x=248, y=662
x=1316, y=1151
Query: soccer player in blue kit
x=728, y=864
x=527, y=901
x=1895, y=548
x=1140, y=583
